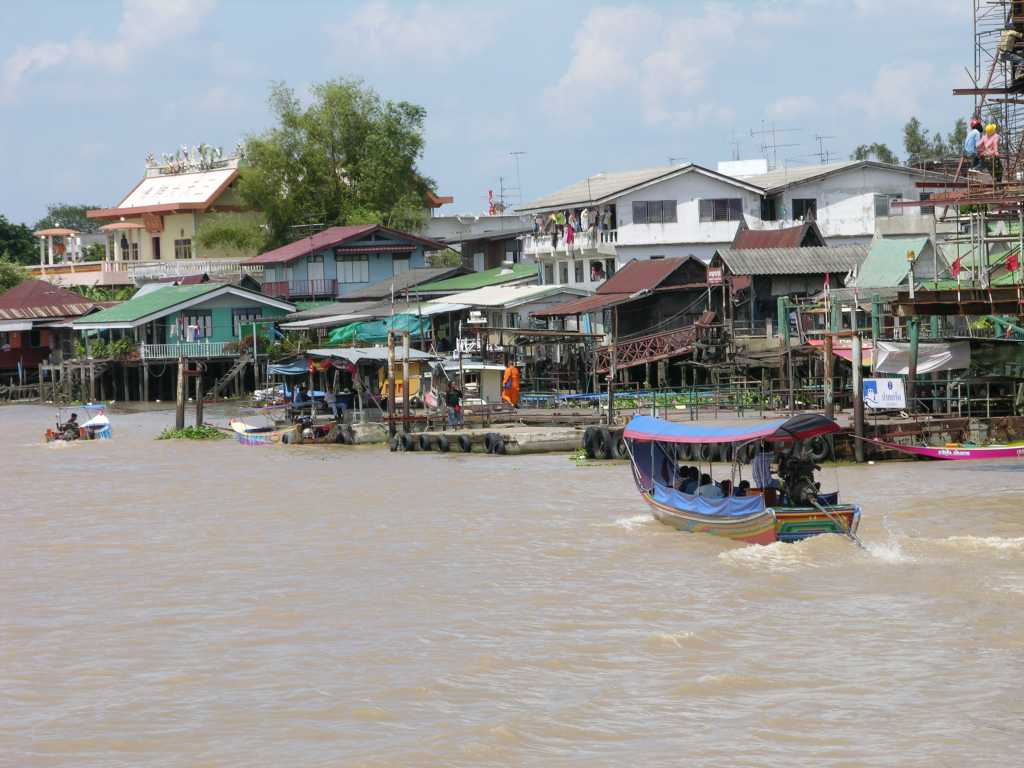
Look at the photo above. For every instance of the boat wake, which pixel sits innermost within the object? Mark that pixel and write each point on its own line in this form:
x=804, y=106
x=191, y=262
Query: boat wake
x=983, y=543
x=631, y=523
x=888, y=552
x=779, y=557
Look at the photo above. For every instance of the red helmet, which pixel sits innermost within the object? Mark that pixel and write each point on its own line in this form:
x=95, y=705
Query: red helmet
x=975, y=122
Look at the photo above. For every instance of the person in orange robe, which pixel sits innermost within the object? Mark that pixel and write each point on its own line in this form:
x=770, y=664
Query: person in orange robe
x=510, y=385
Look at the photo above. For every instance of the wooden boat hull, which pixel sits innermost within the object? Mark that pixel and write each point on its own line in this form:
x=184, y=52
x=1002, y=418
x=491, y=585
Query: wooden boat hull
x=256, y=437
x=787, y=524
x=103, y=433
x=960, y=452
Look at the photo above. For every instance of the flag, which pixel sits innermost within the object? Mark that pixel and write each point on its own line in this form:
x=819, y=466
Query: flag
x=956, y=268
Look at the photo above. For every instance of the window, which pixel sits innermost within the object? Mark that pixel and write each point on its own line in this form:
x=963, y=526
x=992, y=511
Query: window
x=597, y=271
x=578, y=271
x=805, y=208
x=135, y=251
x=183, y=249
x=609, y=267
x=202, y=322
x=512, y=320
x=240, y=317
x=35, y=338
x=927, y=210
x=549, y=274
x=655, y=258
x=654, y=212
x=883, y=205
x=563, y=272
x=768, y=212
x=5, y=341
x=354, y=268
x=721, y=209
x=400, y=264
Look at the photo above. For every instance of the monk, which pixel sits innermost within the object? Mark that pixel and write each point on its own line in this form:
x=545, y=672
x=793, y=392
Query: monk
x=510, y=385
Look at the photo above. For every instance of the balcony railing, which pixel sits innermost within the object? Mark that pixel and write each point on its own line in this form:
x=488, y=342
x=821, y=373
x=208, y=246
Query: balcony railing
x=284, y=289
x=602, y=240
x=188, y=349
x=183, y=267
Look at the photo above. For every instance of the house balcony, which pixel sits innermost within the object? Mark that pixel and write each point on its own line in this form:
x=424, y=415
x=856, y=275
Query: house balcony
x=155, y=270
x=584, y=244
x=188, y=349
x=301, y=289
x=84, y=273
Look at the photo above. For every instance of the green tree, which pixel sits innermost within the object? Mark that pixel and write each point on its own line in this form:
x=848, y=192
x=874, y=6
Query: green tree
x=955, y=140
x=11, y=274
x=66, y=215
x=233, y=233
x=349, y=157
x=916, y=141
x=17, y=243
x=876, y=151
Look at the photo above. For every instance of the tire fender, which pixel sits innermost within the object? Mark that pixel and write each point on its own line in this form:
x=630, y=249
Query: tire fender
x=424, y=442
x=442, y=443
x=465, y=443
x=588, y=442
x=603, y=445
x=407, y=442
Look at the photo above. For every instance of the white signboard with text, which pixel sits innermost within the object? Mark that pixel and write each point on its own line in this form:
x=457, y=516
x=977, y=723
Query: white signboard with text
x=884, y=393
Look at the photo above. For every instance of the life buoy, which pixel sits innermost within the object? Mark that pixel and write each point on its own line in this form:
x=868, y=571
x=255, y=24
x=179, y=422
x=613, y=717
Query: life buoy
x=603, y=445
x=442, y=443
x=425, y=442
x=465, y=443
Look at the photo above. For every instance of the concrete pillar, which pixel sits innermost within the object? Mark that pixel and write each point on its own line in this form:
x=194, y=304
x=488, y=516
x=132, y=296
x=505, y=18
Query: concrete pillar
x=915, y=335
x=42, y=251
x=49, y=249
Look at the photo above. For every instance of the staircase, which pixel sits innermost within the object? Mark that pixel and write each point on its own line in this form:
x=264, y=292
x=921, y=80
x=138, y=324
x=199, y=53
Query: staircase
x=233, y=372
x=655, y=347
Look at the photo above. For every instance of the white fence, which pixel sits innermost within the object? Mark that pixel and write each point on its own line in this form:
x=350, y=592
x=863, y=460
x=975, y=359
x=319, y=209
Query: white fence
x=187, y=349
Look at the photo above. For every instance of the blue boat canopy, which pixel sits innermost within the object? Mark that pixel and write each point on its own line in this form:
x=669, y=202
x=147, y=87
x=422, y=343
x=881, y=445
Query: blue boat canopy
x=645, y=429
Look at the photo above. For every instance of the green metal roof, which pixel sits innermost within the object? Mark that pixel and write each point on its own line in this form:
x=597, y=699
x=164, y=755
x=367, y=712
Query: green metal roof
x=150, y=303
x=886, y=265
x=474, y=280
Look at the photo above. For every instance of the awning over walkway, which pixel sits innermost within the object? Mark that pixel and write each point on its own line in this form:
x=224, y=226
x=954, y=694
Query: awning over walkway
x=894, y=356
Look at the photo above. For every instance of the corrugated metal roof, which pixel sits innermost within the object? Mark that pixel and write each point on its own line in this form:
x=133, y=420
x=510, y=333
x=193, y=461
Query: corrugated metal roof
x=604, y=186
x=335, y=236
x=886, y=265
x=508, y=295
x=38, y=299
x=641, y=274
x=402, y=282
x=378, y=354
x=195, y=187
x=585, y=305
x=496, y=276
x=780, y=178
x=164, y=301
x=793, y=261
x=789, y=237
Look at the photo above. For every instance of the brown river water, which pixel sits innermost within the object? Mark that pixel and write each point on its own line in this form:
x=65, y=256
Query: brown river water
x=178, y=603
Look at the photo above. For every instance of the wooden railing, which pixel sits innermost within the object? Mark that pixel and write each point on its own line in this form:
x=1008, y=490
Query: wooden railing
x=188, y=349
x=657, y=346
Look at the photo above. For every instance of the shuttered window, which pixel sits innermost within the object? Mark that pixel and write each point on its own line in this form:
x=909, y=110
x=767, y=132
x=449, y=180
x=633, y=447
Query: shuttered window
x=721, y=209
x=654, y=212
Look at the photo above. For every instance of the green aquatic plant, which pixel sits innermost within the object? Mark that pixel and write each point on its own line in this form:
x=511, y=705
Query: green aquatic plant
x=203, y=432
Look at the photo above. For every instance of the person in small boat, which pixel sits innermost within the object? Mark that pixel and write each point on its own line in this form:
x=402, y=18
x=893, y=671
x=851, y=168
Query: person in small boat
x=70, y=428
x=692, y=480
x=742, y=488
x=726, y=488
x=708, y=489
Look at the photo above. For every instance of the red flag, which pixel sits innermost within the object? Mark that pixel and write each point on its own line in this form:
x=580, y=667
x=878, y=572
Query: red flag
x=1013, y=262
x=956, y=268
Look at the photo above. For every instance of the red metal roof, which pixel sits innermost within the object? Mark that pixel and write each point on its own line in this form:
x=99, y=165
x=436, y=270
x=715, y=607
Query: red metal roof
x=585, y=305
x=790, y=237
x=639, y=275
x=40, y=299
x=336, y=236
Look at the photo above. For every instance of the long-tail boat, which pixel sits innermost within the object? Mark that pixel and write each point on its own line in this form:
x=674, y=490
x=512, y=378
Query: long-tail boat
x=958, y=451
x=788, y=511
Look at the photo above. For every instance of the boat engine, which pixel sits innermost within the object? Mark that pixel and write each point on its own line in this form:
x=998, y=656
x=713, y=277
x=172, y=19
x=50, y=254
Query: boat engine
x=798, y=479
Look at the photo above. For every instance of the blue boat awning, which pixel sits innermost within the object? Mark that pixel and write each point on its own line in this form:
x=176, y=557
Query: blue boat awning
x=646, y=429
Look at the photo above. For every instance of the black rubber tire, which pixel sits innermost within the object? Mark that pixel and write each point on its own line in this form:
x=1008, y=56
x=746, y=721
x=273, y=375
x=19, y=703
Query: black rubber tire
x=489, y=442
x=684, y=452
x=466, y=443
x=588, y=442
x=703, y=452
x=425, y=442
x=498, y=446
x=395, y=443
x=725, y=452
x=619, y=450
x=407, y=442
x=287, y=438
x=817, y=449
x=603, y=444
x=442, y=443
x=746, y=453
x=339, y=437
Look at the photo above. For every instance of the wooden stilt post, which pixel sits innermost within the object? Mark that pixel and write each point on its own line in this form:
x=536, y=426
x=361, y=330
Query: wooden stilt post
x=915, y=334
x=858, y=398
x=145, y=380
x=830, y=409
x=181, y=395
x=199, y=397
x=391, y=383
x=405, y=381
x=612, y=367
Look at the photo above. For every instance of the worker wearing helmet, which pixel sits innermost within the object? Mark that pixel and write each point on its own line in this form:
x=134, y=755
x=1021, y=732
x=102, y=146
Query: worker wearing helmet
x=988, y=151
x=971, y=144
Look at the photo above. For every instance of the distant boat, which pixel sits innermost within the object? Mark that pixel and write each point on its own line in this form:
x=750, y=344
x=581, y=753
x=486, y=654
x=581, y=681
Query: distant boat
x=250, y=435
x=957, y=451
x=796, y=510
x=95, y=428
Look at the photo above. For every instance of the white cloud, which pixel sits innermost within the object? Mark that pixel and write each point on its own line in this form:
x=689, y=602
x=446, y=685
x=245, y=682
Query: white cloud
x=896, y=92
x=429, y=33
x=660, y=58
x=144, y=24
x=219, y=99
x=792, y=106
x=950, y=9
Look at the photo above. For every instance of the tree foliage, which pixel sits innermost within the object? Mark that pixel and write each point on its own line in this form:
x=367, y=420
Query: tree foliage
x=11, y=274
x=232, y=233
x=17, y=243
x=347, y=158
x=67, y=215
x=921, y=145
x=876, y=151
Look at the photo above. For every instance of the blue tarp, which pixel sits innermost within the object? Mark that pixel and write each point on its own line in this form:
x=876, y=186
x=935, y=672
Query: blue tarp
x=799, y=427
x=293, y=368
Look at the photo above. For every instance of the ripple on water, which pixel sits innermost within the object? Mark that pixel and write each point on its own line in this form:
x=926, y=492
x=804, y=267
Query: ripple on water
x=775, y=558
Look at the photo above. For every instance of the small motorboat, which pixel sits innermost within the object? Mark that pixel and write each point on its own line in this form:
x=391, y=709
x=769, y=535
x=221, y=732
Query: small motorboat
x=958, y=451
x=248, y=434
x=790, y=510
x=97, y=427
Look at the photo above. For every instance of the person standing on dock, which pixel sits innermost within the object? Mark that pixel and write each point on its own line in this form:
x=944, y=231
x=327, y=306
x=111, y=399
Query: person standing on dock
x=510, y=385
x=453, y=401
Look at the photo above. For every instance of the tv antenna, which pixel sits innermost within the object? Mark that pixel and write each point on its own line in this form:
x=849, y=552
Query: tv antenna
x=824, y=155
x=674, y=160
x=770, y=141
x=519, y=181
x=735, y=144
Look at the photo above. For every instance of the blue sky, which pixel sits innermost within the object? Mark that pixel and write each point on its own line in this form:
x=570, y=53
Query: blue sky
x=87, y=89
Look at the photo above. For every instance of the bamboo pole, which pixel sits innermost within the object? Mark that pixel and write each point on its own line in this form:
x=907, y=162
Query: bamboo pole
x=181, y=395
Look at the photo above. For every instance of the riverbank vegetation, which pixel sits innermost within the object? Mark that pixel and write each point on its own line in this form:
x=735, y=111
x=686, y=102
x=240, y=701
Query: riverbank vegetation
x=203, y=432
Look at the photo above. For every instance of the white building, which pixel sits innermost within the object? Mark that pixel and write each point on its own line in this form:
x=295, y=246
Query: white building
x=688, y=210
